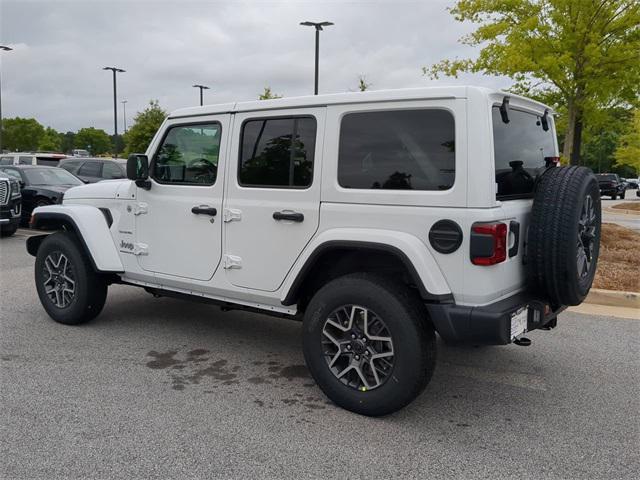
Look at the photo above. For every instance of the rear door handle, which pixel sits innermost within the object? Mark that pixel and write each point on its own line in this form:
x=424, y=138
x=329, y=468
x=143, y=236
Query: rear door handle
x=292, y=216
x=204, y=210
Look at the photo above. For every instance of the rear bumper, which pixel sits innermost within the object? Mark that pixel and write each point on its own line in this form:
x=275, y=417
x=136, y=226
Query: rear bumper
x=490, y=324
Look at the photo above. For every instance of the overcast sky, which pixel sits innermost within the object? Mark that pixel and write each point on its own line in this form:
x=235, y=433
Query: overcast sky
x=54, y=73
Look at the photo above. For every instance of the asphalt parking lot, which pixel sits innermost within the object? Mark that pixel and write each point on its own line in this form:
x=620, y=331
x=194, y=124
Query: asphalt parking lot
x=161, y=388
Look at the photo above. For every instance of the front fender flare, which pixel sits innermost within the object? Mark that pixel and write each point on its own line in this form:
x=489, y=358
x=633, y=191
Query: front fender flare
x=414, y=254
x=89, y=224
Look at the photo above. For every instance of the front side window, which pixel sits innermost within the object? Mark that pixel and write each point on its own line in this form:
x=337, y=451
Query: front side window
x=111, y=171
x=521, y=148
x=277, y=152
x=397, y=150
x=6, y=160
x=189, y=155
x=24, y=160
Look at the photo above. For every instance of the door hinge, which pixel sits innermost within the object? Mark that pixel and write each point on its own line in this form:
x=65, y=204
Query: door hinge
x=231, y=214
x=232, y=261
x=140, y=208
x=141, y=249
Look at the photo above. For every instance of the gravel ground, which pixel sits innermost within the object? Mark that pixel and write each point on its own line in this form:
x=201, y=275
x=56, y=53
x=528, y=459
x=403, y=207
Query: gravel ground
x=160, y=388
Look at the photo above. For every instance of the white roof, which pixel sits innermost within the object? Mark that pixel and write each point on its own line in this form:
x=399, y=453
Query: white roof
x=423, y=93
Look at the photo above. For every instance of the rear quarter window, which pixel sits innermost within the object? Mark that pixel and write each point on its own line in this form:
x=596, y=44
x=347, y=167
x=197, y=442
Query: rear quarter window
x=397, y=150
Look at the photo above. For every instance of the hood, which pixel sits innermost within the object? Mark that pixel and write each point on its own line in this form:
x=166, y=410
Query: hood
x=52, y=188
x=106, y=189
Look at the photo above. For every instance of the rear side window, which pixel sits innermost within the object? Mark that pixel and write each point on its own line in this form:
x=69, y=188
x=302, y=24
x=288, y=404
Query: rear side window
x=6, y=160
x=520, y=148
x=90, y=169
x=47, y=161
x=397, y=150
x=24, y=160
x=112, y=170
x=70, y=166
x=277, y=152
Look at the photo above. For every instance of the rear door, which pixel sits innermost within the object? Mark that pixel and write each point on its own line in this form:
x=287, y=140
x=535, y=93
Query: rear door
x=273, y=194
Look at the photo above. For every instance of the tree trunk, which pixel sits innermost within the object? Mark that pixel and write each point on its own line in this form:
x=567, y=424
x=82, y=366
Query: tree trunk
x=568, y=136
x=577, y=141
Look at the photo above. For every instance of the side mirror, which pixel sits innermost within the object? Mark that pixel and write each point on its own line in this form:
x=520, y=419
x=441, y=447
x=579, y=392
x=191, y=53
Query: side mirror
x=138, y=170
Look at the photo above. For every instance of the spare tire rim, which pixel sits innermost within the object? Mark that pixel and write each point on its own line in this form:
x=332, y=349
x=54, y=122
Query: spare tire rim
x=358, y=347
x=59, y=282
x=586, y=237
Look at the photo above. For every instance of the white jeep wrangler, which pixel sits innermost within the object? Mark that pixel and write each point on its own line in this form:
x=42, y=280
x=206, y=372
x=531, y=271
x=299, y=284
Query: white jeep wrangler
x=378, y=218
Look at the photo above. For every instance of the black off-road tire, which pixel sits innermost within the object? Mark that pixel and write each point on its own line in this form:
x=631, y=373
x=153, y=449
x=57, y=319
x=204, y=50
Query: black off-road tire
x=622, y=195
x=90, y=288
x=414, y=344
x=555, y=235
x=8, y=230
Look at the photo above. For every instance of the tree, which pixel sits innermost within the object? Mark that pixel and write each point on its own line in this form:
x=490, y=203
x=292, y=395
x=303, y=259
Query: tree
x=21, y=134
x=67, y=142
x=145, y=125
x=582, y=55
x=363, y=85
x=95, y=140
x=268, y=94
x=50, y=141
x=628, y=151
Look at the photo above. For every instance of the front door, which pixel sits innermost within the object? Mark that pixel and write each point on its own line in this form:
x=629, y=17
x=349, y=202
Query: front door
x=178, y=220
x=272, y=203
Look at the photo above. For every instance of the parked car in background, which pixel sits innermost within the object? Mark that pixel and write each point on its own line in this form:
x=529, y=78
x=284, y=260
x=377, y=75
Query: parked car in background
x=91, y=170
x=28, y=158
x=80, y=153
x=40, y=185
x=10, y=205
x=632, y=183
x=611, y=185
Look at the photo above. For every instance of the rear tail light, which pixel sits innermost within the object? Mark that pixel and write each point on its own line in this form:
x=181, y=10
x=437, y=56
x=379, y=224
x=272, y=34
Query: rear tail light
x=488, y=243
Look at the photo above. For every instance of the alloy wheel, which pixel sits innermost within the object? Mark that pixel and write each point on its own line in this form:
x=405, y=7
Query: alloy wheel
x=586, y=237
x=59, y=280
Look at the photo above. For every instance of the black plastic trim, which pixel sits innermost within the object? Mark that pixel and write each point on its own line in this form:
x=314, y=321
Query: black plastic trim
x=107, y=216
x=514, y=227
x=292, y=294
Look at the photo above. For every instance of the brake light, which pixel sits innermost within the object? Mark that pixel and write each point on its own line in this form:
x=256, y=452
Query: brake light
x=488, y=243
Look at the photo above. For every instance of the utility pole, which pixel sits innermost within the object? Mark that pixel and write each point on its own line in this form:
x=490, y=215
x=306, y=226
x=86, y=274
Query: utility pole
x=319, y=27
x=201, y=87
x=2, y=49
x=124, y=114
x=115, y=109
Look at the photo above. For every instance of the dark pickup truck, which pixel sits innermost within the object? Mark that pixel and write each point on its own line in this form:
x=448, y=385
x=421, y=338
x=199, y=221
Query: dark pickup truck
x=611, y=185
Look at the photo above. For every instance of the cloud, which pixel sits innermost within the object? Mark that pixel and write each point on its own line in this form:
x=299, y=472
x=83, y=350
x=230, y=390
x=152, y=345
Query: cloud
x=237, y=48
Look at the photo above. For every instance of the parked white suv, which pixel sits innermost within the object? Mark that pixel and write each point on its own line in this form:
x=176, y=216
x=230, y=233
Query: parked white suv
x=378, y=218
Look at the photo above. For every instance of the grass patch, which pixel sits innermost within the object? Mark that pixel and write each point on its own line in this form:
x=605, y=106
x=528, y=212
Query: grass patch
x=619, y=262
x=633, y=206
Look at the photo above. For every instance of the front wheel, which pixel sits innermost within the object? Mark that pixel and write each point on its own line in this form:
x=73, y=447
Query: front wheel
x=8, y=230
x=368, y=344
x=70, y=290
x=622, y=195
x=613, y=197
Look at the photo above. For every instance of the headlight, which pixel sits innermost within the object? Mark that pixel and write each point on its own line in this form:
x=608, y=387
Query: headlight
x=15, y=189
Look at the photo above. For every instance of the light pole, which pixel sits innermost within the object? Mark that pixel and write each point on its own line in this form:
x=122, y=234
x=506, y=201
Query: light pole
x=2, y=49
x=115, y=109
x=318, y=26
x=124, y=114
x=201, y=87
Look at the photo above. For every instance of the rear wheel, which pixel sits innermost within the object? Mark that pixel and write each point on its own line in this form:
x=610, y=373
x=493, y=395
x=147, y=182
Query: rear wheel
x=70, y=290
x=368, y=344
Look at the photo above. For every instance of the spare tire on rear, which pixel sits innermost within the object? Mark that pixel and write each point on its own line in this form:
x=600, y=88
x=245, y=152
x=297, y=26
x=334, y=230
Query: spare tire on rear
x=563, y=242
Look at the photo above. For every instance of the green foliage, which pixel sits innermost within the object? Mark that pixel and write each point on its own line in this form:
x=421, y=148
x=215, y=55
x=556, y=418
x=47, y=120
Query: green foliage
x=268, y=94
x=363, y=85
x=50, y=141
x=581, y=55
x=21, y=134
x=67, y=142
x=145, y=125
x=94, y=140
x=628, y=151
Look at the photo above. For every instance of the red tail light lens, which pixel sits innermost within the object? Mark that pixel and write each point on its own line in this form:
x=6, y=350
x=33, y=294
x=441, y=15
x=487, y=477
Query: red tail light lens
x=488, y=243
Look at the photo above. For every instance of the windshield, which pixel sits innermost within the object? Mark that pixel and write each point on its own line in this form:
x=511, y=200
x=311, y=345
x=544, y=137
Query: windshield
x=520, y=148
x=606, y=176
x=50, y=176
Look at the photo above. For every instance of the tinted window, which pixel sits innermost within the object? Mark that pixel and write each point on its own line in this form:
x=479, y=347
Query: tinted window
x=112, y=170
x=397, y=150
x=70, y=166
x=47, y=161
x=277, y=152
x=6, y=160
x=189, y=154
x=24, y=160
x=520, y=148
x=50, y=176
x=90, y=169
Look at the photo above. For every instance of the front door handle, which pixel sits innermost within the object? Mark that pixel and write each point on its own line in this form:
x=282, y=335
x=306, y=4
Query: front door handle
x=288, y=215
x=204, y=210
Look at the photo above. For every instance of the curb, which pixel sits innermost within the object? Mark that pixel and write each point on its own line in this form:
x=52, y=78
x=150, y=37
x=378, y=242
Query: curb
x=613, y=298
x=621, y=211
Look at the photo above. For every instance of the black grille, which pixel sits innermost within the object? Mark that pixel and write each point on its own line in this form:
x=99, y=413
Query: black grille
x=4, y=192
